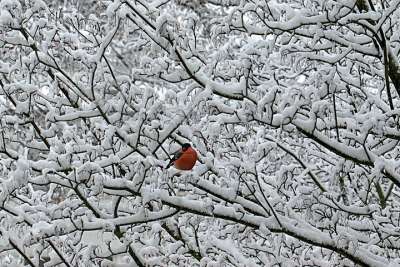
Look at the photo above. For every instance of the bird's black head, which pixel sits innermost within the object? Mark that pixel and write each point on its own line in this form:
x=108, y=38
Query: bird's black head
x=185, y=146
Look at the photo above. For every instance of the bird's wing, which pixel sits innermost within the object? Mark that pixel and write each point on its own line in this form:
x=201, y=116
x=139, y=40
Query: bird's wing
x=175, y=156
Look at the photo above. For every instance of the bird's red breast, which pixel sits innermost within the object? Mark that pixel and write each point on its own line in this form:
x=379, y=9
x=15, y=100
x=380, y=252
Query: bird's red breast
x=187, y=160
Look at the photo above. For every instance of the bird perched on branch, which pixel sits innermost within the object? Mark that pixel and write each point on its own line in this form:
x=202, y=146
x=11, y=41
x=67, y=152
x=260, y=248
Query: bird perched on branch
x=184, y=159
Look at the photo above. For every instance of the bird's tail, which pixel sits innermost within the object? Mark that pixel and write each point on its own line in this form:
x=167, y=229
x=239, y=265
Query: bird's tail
x=169, y=164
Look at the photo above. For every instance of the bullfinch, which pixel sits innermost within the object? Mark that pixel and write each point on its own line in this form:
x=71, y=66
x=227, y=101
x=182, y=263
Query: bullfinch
x=184, y=159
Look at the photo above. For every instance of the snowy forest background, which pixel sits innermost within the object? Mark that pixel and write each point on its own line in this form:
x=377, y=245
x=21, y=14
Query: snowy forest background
x=292, y=105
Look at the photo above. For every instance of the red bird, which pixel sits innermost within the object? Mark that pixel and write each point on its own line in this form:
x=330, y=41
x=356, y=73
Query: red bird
x=184, y=159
